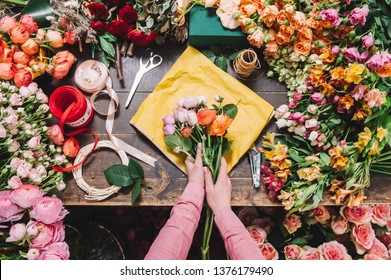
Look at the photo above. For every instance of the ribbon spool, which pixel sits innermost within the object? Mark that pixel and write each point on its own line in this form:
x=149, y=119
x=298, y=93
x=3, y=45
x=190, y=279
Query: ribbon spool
x=245, y=63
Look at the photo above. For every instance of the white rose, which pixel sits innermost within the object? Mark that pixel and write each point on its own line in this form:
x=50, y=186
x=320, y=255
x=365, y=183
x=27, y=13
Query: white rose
x=311, y=123
x=281, y=123
x=313, y=135
x=312, y=109
x=300, y=130
x=280, y=111
x=33, y=87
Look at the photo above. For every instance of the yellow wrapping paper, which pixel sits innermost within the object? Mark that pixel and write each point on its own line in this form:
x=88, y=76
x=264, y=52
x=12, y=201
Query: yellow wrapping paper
x=194, y=74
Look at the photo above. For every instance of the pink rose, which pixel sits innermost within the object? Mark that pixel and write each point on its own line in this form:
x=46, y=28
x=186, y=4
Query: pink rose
x=26, y=195
x=317, y=98
x=55, y=251
x=375, y=62
x=292, y=223
x=379, y=249
x=371, y=257
x=14, y=182
x=339, y=225
x=3, y=132
x=351, y=54
x=54, y=38
x=268, y=251
x=331, y=15
x=14, y=146
x=168, y=119
x=56, y=134
x=9, y=211
x=381, y=214
x=358, y=215
x=46, y=234
x=257, y=233
x=292, y=252
x=321, y=214
x=358, y=92
x=30, y=23
x=358, y=15
x=17, y=233
x=310, y=254
x=169, y=129
x=34, y=142
x=333, y=251
x=363, y=236
x=7, y=71
x=48, y=210
x=375, y=97
x=247, y=215
x=190, y=102
x=367, y=41
x=297, y=96
x=7, y=23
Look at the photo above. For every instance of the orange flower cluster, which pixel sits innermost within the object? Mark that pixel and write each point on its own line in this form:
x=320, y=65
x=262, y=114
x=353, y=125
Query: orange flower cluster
x=337, y=160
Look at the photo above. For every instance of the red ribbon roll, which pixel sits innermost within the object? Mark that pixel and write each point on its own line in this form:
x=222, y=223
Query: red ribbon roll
x=72, y=108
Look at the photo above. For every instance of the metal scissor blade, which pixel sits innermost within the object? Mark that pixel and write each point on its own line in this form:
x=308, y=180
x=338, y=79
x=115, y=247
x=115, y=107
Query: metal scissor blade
x=132, y=91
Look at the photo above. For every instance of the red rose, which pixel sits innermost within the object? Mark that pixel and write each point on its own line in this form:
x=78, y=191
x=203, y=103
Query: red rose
x=152, y=36
x=118, y=27
x=112, y=3
x=128, y=14
x=99, y=27
x=98, y=10
x=139, y=38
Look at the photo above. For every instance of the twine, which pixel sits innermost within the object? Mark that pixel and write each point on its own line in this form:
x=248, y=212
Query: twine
x=93, y=193
x=246, y=63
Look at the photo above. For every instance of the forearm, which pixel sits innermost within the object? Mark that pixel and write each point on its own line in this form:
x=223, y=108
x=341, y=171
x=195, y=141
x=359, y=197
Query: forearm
x=237, y=240
x=175, y=238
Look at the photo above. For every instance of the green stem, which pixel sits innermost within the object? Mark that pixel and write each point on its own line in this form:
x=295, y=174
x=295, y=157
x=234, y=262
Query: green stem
x=381, y=172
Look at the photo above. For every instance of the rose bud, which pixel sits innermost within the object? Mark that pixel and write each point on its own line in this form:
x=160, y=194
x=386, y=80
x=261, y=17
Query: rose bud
x=56, y=134
x=169, y=129
x=71, y=147
x=54, y=38
x=19, y=34
x=7, y=23
x=23, y=77
x=17, y=233
x=7, y=71
x=99, y=27
x=30, y=23
x=30, y=47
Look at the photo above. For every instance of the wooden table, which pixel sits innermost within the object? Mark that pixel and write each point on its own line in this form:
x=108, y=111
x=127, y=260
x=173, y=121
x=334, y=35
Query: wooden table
x=168, y=180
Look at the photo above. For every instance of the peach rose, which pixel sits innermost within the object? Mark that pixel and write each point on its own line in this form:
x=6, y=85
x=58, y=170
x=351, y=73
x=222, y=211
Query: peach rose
x=381, y=214
x=271, y=48
x=333, y=251
x=7, y=71
x=256, y=39
x=23, y=77
x=40, y=36
x=56, y=134
x=30, y=23
x=302, y=47
x=269, y=15
x=292, y=252
x=379, y=249
x=54, y=38
x=358, y=215
x=257, y=233
x=71, y=147
x=292, y=223
x=19, y=34
x=363, y=236
x=282, y=38
x=7, y=23
x=321, y=214
x=30, y=47
x=339, y=225
x=310, y=254
x=268, y=251
x=305, y=35
x=281, y=17
x=219, y=125
x=20, y=57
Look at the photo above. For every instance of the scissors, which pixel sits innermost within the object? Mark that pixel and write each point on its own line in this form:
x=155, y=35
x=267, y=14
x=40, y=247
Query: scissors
x=255, y=164
x=148, y=61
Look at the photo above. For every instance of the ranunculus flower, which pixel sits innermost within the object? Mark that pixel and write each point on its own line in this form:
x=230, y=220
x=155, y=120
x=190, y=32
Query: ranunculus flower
x=292, y=223
x=180, y=114
x=40, y=36
x=98, y=10
x=32, y=254
x=14, y=182
x=68, y=56
x=128, y=14
x=30, y=23
x=363, y=236
x=99, y=27
x=186, y=131
x=20, y=57
x=19, y=34
x=48, y=210
x=247, y=215
x=292, y=252
x=62, y=62
x=55, y=39
x=7, y=23
x=367, y=41
x=268, y=251
x=169, y=129
x=257, y=233
x=7, y=71
x=30, y=47
x=9, y=211
x=339, y=225
x=381, y=214
x=23, y=77
x=70, y=37
x=17, y=233
x=190, y=102
x=26, y=195
x=117, y=27
x=379, y=249
x=168, y=119
x=138, y=38
x=358, y=15
x=55, y=251
x=206, y=116
x=310, y=254
x=358, y=215
x=71, y=147
x=45, y=234
x=56, y=134
x=333, y=251
x=321, y=214
x=331, y=15
x=220, y=125
x=191, y=117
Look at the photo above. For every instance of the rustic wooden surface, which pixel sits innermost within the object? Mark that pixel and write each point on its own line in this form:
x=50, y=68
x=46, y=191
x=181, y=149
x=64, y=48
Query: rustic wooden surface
x=169, y=181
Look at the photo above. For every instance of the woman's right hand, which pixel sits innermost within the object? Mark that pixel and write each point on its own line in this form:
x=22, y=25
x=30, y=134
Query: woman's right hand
x=218, y=195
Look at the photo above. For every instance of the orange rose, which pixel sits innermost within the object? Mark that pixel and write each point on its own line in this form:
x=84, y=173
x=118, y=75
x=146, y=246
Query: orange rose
x=54, y=38
x=30, y=47
x=298, y=21
x=302, y=47
x=6, y=56
x=7, y=71
x=384, y=71
x=220, y=125
x=269, y=15
x=23, y=77
x=271, y=48
x=206, y=116
x=287, y=30
x=281, y=17
x=186, y=131
x=305, y=35
x=20, y=57
x=282, y=38
x=248, y=9
x=19, y=34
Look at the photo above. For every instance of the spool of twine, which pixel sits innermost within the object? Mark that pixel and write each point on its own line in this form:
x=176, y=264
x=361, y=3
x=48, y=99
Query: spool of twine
x=245, y=63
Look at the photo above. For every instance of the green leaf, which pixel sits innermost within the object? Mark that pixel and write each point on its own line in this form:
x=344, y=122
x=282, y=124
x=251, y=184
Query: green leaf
x=209, y=54
x=107, y=47
x=336, y=121
x=118, y=175
x=136, y=191
x=301, y=139
x=109, y=37
x=295, y=155
x=222, y=63
x=299, y=241
x=105, y=61
x=325, y=158
x=231, y=110
x=39, y=10
x=233, y=55
x=375, y=115
x=176, y=141
x=135, y=170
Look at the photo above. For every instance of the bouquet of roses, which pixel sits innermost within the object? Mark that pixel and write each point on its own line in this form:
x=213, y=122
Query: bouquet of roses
x=192, y=123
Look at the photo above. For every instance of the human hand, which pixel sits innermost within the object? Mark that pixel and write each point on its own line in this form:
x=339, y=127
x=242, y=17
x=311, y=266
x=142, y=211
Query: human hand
x=195, y=171
x=219, y=195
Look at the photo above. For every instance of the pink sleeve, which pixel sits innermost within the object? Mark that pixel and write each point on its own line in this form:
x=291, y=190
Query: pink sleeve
x=175, y=238
x=237, y=240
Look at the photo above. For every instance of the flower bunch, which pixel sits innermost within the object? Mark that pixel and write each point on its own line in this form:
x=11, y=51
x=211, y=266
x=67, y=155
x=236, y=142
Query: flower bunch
x=28, y=149
x=24, y=48
x=194, y=122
